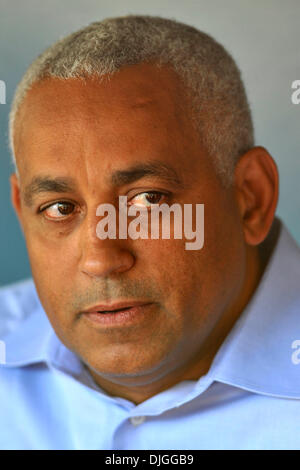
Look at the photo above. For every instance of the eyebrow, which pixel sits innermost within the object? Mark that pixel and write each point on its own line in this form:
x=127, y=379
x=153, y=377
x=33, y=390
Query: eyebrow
x=141, y=170
x=46, y=184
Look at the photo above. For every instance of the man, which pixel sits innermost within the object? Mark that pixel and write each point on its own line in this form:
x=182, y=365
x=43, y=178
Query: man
x=123, y=343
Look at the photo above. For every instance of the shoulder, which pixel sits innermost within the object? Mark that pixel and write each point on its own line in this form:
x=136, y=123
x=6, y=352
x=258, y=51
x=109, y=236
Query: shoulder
x=18, y=301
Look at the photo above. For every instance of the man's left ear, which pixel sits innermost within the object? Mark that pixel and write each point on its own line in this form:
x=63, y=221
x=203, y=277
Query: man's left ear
x=256, y=185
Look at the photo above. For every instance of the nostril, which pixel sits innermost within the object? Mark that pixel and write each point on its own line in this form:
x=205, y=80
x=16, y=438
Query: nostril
x=101, y=262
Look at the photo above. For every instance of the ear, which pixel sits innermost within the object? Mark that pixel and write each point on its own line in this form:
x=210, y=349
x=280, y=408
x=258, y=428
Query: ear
x=256, y=182
x=15, y=197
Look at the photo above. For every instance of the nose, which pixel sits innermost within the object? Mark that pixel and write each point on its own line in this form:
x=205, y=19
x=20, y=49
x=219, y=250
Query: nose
x=101, y=258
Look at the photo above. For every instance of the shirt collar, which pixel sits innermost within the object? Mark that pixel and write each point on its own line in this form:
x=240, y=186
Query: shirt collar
x=255, y=356
x=34, y=341
x=257, y=353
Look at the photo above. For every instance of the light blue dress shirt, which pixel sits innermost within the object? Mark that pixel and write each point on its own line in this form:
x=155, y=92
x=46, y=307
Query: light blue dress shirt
x=249, y=399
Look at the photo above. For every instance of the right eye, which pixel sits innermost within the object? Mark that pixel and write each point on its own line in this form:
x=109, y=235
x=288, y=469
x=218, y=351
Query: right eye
x=58, y=211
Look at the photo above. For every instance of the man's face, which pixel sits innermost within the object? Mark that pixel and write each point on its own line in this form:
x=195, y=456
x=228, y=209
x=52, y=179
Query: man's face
x=90, y=134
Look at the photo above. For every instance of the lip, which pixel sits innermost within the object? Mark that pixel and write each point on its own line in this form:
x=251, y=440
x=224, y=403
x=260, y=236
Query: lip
x=115, y=306
x=128, y=312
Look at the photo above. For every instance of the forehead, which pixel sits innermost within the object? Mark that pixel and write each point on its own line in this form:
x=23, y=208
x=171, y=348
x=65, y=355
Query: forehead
x=141, y=111
x=132, y=87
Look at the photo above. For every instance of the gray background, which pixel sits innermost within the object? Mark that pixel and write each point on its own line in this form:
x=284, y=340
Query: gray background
x=262, y=35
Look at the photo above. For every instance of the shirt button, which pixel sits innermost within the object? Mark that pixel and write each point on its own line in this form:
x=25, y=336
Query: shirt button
x=136, y=420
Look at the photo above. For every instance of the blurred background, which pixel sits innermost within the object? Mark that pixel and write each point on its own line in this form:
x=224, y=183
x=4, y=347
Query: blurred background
x=262, y=35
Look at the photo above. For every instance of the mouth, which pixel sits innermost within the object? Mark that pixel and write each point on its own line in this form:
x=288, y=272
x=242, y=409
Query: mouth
x=115, y=307
x=114, y=311
x=118, y=313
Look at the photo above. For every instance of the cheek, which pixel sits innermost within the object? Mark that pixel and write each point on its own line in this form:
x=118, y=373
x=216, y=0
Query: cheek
x=52, y=265
x=175, y=271
x=49, y=249
x=224, y=260
x=204, y=280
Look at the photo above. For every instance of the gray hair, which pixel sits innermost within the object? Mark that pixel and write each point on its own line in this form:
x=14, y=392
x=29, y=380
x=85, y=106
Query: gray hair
x=211, y=79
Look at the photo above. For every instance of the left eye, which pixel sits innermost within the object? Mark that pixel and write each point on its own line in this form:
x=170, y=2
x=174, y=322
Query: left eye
x=147, y=198
x=59, y=210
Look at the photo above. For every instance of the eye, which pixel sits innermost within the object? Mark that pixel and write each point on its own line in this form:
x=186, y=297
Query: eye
x=58, y=210
x=147, y=198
